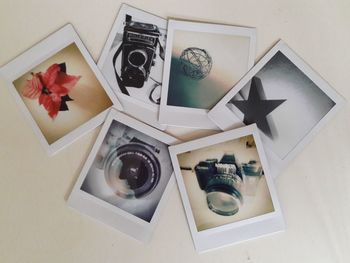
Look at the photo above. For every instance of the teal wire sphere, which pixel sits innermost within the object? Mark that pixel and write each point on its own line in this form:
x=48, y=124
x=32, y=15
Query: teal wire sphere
x=196, y=63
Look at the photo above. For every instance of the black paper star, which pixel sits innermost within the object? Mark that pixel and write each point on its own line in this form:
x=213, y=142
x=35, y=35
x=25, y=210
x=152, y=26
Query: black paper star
x=257, y=107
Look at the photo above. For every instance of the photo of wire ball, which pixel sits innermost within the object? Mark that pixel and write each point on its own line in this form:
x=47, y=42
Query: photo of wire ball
x=196, y=63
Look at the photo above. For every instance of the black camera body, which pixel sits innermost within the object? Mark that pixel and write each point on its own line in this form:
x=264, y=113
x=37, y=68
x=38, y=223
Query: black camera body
x=222, y=182
x=139, y=48
x=212, y=168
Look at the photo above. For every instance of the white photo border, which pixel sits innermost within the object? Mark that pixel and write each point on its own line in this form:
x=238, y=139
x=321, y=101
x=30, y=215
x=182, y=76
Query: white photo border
x=196, y=118
x=235, y=232
x=138, y=109
x=107, y=213
x=226, y=119
x=38, y=54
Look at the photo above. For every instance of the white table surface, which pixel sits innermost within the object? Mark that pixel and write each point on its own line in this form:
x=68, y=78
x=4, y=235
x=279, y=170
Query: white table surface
x=37, y=226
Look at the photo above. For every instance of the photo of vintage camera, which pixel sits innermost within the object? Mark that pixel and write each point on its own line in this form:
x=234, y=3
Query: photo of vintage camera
x=130, y=171
x=223, y=182
x=139, y=51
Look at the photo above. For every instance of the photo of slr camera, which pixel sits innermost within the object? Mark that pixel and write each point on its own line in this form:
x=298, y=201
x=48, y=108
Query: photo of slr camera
x=223, y=181
x=130, y=171
x=139, y=51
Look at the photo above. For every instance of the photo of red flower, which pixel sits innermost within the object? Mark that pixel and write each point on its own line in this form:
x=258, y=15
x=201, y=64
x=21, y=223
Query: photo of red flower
x=51, y=88
x=62, y=93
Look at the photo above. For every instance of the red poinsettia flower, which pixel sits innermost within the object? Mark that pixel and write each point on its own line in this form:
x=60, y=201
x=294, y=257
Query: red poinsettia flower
x=51, y=88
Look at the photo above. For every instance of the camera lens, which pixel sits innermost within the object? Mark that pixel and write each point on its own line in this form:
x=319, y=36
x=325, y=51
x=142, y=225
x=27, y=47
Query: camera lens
x=137, y=57
x=132, y=170
x=223, y=203
x=223, y=194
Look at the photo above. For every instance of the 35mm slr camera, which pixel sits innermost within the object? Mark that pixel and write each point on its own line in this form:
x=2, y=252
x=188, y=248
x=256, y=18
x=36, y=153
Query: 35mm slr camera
x=223, y=182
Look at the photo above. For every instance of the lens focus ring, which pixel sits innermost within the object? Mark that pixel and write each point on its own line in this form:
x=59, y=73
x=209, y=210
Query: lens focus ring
x=223, y=194
x=132, y=170
x=137, y=57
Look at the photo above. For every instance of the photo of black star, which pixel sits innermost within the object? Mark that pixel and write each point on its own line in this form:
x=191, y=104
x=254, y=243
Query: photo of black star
x=257, y=107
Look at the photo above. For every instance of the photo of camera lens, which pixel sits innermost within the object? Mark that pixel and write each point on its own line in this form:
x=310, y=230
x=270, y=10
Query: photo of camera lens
x=137, y=58
x=225, y=183
x=130, y=171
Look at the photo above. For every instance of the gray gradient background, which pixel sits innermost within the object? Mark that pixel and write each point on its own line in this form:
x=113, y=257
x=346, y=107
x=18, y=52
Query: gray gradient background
x=306, y=104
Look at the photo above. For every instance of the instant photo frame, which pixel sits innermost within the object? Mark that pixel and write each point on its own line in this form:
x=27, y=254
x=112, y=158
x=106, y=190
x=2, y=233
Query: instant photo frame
x=293, y=80
x=136, y=103
x=229, y=233
x=38, y=54
x=104, y=211
x=241, y=40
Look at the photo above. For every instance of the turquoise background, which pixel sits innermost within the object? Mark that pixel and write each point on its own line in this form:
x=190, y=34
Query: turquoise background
x=186, y=92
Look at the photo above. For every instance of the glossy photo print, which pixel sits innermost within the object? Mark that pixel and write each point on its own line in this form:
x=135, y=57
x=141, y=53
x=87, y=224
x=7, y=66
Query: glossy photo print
x=203, y=62
x=283, y=102
x=226, y=188
x=204, y=66
x=130, y=171
x=132, y=62
x=225, y=183
x=284, y=97
x=127, y=177
x=61, y=91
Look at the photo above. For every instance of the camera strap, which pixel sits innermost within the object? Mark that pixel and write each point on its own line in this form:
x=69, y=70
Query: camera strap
x=161, y=50
x=157, y=83
x=119, y=80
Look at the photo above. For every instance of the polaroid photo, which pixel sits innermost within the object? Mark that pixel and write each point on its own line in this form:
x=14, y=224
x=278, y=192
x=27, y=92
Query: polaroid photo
x=202, y=63
x=127, y=177
x=287, y=100
x=59, y=88
x=132, y=62
x=226, y=188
